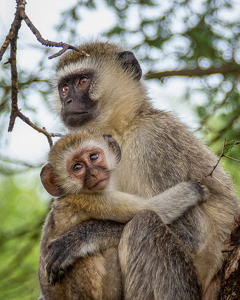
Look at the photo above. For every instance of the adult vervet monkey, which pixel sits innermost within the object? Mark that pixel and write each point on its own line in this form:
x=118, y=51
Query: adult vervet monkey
x=81, y=173
x=105, y=90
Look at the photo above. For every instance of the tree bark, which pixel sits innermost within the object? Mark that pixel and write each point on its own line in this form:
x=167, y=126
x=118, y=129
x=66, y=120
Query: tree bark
x=230, y=289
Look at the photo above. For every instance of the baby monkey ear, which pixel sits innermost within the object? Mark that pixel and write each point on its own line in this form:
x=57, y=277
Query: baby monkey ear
x=113, y=144
x=48, y=180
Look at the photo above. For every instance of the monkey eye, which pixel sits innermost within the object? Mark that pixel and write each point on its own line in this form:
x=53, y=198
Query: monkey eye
x=77, y=167
x=94, y=157
x=83, y=80
x=65, y=89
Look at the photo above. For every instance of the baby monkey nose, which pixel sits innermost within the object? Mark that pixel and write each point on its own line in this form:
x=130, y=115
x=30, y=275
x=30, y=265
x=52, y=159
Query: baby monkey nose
x=94, y=172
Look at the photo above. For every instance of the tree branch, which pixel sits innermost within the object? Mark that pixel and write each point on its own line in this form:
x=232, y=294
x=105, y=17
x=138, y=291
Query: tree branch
x=13, y=32
x=40, y=130
x=224, y=150
x=48, y=43
x=13, y=60
x=11, y=39
x=225, y=69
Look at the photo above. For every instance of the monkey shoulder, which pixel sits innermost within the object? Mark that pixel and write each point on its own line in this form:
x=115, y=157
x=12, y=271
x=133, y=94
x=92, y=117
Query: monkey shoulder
x=162, y=140
x=169, y=154
x=64, y=214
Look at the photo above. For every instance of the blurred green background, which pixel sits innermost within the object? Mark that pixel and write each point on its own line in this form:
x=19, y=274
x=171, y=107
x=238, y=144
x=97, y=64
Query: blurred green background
x=190, y=54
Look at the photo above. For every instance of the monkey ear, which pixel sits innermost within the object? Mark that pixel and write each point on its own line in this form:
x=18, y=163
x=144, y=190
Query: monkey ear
x=47, y=178
x=130, y=64
x=113, y=144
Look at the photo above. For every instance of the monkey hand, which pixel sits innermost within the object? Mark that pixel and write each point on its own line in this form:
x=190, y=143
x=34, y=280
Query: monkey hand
x=60, y=255
x=79, y=241
x=204, y=192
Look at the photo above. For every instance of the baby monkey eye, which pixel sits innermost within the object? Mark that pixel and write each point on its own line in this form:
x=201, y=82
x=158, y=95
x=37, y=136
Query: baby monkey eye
x=94, y=156
x=77, y=167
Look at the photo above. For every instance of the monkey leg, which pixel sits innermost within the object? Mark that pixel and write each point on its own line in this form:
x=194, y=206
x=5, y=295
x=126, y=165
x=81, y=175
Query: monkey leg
x=154, y=262
x=214, y=287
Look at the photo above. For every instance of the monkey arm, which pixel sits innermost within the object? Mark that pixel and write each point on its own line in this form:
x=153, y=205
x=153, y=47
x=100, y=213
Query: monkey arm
x=86, y=238
x=95, y=235
x=174, y=202
x=169, y=205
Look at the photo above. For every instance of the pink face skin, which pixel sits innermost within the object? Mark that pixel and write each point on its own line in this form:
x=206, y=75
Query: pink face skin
x=89, y=167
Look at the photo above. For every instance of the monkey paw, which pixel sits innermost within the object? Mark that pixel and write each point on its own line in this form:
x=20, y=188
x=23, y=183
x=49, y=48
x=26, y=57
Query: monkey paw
x=204, y=192
x=61, y=255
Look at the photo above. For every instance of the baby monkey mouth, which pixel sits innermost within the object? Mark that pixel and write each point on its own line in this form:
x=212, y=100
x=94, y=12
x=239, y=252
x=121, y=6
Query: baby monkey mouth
x=100, y=185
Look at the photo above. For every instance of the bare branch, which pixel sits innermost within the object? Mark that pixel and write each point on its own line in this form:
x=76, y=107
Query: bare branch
x=221, y=156
x=13, y=32
x=12, y=40
x=18, y=162
x=41, y=130
x=48, y=43
x=225, y=69
x=14, y=76
x=231, y=158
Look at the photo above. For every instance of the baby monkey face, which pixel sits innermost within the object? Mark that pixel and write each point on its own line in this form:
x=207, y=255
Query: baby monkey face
x=88, y=166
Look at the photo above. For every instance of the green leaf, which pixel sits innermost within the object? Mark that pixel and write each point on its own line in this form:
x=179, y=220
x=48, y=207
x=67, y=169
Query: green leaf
x=157, y=42
x=201, y=111
x=228, y=147
x=147, y=2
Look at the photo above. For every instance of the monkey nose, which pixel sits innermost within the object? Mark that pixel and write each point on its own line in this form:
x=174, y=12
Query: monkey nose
x=94, y=173
x=68, y=101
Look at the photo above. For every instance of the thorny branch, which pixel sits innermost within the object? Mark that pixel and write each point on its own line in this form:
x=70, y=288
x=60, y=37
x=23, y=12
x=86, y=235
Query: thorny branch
x=11, y=39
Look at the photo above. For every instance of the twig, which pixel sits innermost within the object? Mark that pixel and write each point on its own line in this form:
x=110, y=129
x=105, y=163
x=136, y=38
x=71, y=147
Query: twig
x=225, y=69
x=15, y=26
x=41, y=130
x=221, y=156
x=13, y=35
x=221, y=182
x=18, y=162
x=48, y=43
x=231, y=158
x=11, y=39
x=21, y=15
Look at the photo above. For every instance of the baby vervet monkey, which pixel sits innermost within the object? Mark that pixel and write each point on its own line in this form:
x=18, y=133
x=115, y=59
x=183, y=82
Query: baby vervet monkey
x=81, y=174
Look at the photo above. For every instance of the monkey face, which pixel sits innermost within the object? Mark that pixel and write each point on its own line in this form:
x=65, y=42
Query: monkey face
x=77, y=106
x=88, y=166
x=80, y=162
x=89, y=87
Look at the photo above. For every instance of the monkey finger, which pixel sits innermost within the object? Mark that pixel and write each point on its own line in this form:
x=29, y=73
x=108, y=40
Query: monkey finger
x=49, y=267
x=57, y=272
x=69, y=261
x=205, y=194
x=52, y=279
x=61, y=275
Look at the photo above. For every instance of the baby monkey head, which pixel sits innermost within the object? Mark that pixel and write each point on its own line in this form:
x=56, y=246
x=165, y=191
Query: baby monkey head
x=80, y=162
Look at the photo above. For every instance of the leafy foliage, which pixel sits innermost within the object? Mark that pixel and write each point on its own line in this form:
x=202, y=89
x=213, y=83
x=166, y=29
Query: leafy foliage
x=22, y=215
x=229, y=146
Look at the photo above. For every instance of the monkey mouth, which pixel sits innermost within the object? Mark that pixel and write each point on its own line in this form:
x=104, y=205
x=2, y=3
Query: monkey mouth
x=79, y=113
x=76, y=118
x=100, y=185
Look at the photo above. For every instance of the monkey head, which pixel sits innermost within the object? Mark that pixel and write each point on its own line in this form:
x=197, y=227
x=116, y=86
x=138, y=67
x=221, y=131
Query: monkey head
x=85, y=84
x=80, y=162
